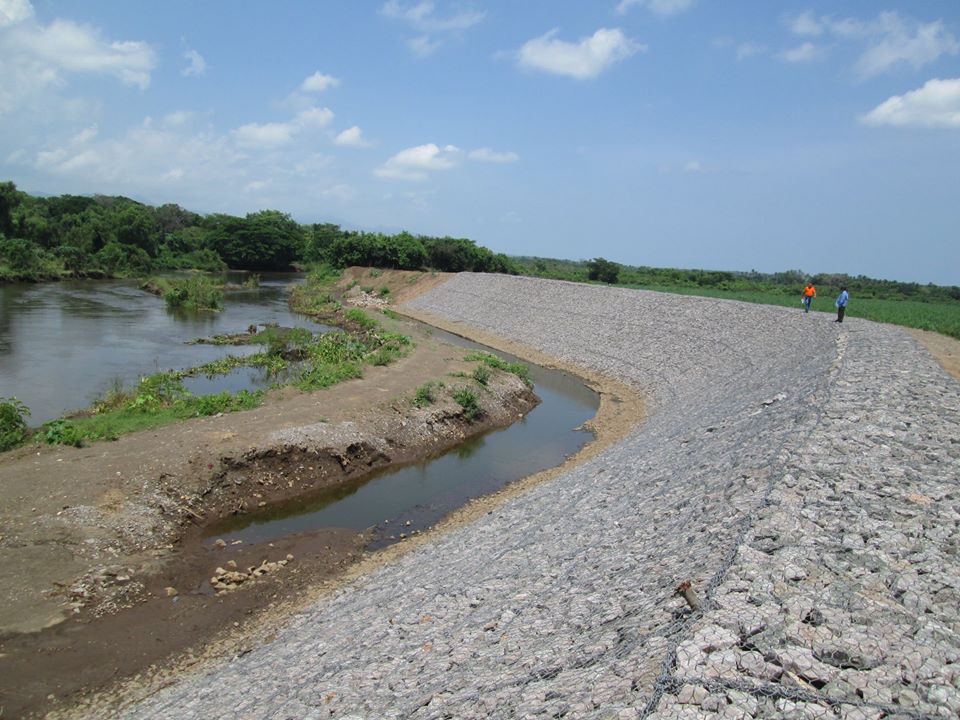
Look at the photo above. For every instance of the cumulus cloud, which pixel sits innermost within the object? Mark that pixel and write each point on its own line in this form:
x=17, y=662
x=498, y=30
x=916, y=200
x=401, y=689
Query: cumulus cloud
x=936, y=104
x=492, y=156
x=890, y=40
x=415, y=163
x=196, y=65
x=657, y=7
x=39, y=61
x=807, y=52
x=276, y=134
x=14, y=11
x=351, y=137
x=318, y=82
x=582, y=60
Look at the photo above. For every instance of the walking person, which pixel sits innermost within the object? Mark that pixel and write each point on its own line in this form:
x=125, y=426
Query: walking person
x=809, y=293
x=842, y=299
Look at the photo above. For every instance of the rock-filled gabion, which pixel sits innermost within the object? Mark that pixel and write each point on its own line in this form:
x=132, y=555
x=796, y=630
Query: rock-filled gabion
x=800, y=475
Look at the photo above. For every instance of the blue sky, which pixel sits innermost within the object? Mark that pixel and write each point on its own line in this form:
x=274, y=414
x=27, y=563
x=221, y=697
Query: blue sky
x=822, y=136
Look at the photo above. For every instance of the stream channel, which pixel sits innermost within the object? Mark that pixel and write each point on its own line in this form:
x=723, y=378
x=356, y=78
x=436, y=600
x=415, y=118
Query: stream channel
x=64, y=344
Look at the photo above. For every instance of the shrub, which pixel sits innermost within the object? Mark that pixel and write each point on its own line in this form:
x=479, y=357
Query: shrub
x=62, y=432
x=13, y=424
x=467, y=399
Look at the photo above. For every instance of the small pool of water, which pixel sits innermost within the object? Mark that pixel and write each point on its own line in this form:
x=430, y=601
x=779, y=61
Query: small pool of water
x=422, y=493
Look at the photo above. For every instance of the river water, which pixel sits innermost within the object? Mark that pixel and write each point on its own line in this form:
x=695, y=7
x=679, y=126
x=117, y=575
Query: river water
x=64, y=344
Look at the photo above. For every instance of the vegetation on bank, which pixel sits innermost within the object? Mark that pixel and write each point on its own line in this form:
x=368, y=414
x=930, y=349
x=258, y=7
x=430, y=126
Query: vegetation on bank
x=47, y=238
x=295, y=357
x=927, y=307
x=196, y=292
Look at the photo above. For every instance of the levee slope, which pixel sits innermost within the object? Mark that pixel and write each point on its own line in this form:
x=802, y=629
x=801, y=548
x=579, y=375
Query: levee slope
x=800, y=474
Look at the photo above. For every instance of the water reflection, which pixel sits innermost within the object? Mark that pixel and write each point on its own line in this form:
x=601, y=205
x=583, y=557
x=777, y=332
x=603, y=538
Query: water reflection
x=64, y=344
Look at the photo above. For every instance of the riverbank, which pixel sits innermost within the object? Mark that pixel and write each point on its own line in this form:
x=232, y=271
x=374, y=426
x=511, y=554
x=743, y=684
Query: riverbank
x=800, y=475
x=103, y=564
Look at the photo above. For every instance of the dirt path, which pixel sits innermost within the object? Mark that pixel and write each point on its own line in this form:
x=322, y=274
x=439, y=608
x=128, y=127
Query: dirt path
x=103, y=570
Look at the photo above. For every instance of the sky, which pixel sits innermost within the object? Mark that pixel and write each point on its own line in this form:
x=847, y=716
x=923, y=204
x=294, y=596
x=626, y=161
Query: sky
x=733, y=135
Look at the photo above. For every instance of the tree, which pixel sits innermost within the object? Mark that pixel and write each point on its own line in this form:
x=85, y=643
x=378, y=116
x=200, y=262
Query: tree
x=603, y=270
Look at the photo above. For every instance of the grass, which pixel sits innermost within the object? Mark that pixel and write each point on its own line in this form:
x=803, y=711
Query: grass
x=197, y=292
x=481, y=373
x=490, y=360
x=425, y=394
x=934, y=315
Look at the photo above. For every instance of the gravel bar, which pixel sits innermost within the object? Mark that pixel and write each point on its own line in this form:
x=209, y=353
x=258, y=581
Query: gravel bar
x=801, y=475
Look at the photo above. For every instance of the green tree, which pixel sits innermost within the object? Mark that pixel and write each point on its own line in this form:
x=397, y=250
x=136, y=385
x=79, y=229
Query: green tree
x=603, y=270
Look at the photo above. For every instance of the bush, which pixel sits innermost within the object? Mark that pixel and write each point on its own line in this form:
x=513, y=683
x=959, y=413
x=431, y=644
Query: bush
x=467, y=399
x=62, y=432
x=13, y=424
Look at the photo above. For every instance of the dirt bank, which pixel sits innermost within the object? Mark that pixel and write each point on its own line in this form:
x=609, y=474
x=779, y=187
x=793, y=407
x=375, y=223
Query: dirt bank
x=103, y=567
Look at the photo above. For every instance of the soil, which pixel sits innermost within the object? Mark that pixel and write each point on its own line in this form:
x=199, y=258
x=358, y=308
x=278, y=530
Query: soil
x=104, y=571
x=945, y=350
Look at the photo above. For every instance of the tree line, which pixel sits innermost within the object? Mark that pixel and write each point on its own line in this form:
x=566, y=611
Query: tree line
x=788, y=282
x=114, y=236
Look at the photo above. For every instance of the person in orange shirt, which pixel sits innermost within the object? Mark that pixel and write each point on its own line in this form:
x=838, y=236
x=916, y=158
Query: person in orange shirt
x=809, y=293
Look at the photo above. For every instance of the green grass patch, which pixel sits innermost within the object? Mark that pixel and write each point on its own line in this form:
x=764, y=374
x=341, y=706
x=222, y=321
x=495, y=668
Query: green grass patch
x=521, y=370
x=426, y=394
x=481, y=373
x=358, y=318
x=935, y=315
x=390, y=314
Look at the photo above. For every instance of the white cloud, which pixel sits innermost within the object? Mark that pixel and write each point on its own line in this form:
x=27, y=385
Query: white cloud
x=748, y=50
x=415, y=163
x=67, y=46
x=806, y=24
x=351, y=137
x=894, y=41
x=492, y=156
x=936, y=104
x=890, y=40
x=421, y=17
x=423, y=46
x=657, y=7
x=14, y=11
x=693, y=166
x=581, y=60
x=196, y=64
x=276, y=134
x=177, y=118
x=340, y=192
x=807, y=52
x=264, y=135
x=318, y=82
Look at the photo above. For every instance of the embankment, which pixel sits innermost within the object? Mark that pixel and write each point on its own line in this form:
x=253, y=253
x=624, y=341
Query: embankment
x=801, y=475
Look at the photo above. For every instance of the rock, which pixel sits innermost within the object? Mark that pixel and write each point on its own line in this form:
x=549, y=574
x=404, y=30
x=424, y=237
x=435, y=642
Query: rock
x=220, y=543
x=171, y=591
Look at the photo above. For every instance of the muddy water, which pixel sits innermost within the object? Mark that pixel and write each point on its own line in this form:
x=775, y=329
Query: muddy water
x=414, y=497
x=64, y=344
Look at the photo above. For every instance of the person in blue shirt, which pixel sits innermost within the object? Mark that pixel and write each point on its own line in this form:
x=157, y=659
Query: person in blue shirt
x=841, y=303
